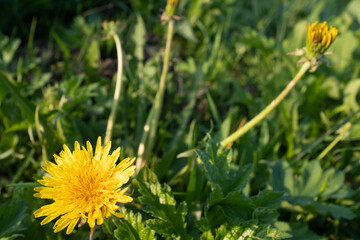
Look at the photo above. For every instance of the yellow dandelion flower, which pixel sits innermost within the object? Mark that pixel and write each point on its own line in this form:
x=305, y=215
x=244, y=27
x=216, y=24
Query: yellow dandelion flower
x=319, y=38
x=84, y=185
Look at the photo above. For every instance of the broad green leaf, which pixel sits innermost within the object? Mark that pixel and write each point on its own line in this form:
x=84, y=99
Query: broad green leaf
x=11, y=215
x=331, y=86
x=350, y=94
x=334, y=185
x=337, y=211
x=343, y=48
x=311, y=183
x=298, y=230
x=311, y=180
x=282, y=177
x=236, y=207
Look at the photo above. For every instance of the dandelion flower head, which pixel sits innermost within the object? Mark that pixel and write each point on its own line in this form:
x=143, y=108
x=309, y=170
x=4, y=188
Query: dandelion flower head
x=319, y=38
x=84, y=185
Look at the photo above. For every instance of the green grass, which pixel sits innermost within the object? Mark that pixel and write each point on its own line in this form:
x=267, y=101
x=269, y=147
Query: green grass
x=228, y=61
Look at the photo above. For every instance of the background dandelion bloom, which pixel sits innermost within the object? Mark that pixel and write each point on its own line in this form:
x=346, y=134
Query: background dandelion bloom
x=319, y=38
x=84, y=185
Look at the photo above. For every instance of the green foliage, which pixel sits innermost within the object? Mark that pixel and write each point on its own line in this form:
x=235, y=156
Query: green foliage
x=244, y=231
x=244, y=216
x=11, y=217
x=220, y=172
x=158, y=201
x=132, y=227
x=311, y=187
x=228, y=61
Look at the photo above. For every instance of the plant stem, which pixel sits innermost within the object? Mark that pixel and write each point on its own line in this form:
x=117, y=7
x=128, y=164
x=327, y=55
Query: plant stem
x=343, y=132
x=92, y=230
x=233, y=137
x=115, y=103
x=152, y=120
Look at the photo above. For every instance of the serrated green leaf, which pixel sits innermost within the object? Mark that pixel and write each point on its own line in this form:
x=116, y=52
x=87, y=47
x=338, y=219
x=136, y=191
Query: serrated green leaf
x=159, y=202
x=216, y=167
x=146, y=175
x=267, y=202
x=247, y=230
x=215, y=164
x=207, y=236
x=267, y=198
x=235, y=207
x=161, y=227
x=237, y=178
x=132, y=227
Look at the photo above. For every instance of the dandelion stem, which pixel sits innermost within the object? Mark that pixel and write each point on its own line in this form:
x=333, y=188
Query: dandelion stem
x=152, y=120
x=115, y=103
x=92, y=230
x=233, y=137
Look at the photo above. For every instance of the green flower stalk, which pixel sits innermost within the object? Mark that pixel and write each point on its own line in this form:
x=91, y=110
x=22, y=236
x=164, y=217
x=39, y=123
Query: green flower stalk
x=343, y=133
x=249, y=125
x=151, y=124
x=319, y=38
x=110, y=31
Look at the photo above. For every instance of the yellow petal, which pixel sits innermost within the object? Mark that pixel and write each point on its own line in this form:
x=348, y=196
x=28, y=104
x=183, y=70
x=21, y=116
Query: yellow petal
x=72, y=225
